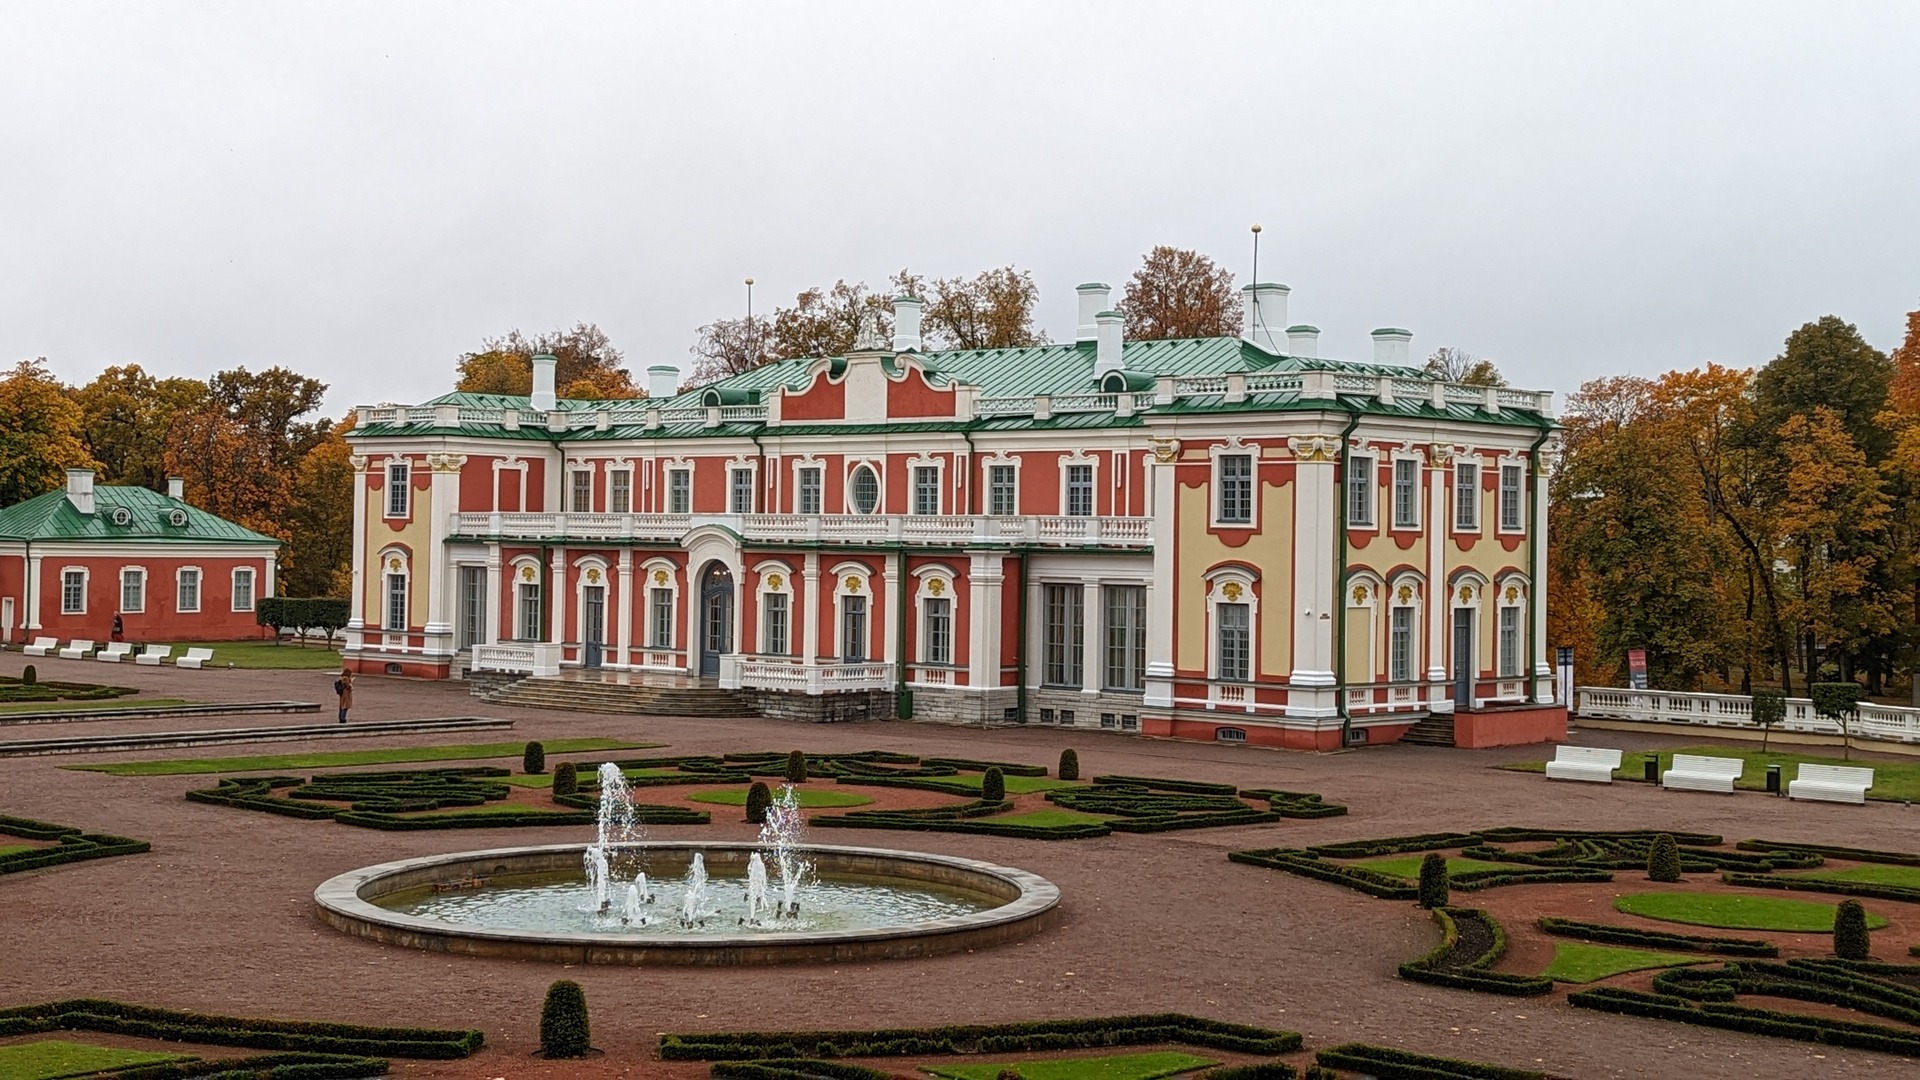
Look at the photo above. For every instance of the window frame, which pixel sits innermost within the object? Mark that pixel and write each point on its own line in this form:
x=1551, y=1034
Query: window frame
x=996, y=488
x=862, y=472
x=1517, y=521
x=137, y=575
x=580, y=491
x=1401, y=665
x=399, y=489
x=924, y=481
x=1233, y=501
x=391, y=621
x=1124, y=629
x=1237, y=666
x=180, y=588
x=661, y=616
x=1409, y=521
x=1507, y=641
x=740, y=489
x=1362, y=479
x=252, y=591
x=680, y=489
x=1063, y=657
x=809, y=486
x=1466, y=496
x=776, y=623
x=1070, y=488
x=936, y=630
x=68, y=575
x=853, y=610
x=620, y=491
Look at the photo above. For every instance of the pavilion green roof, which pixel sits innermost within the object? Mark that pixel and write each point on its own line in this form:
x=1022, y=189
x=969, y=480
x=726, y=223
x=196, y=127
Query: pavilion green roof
x=53, y=516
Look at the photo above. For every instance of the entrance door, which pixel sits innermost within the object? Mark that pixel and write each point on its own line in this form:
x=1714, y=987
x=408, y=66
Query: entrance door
x=853, y=629
x=593, y=616
x=472, y=605
x=716, y=616
x=1463, y=658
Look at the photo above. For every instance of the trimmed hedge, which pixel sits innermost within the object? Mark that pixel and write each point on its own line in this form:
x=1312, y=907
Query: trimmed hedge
x=385, y=800
x=1897, y=858
x=1306, y=864
x=1663, y=859
x=1153, y=804
x=563, y=1021
x=1033, y=1035
x=566, y=779
x=1392, y=845
x=1388, y=1063
x=72, y=845
x=1850, y=940
x=1863, y=985
x=794, y=1069
x=1656, y=939
x=94, y=1014
x=1819, y=1029
x=29, y=688
x=1433, y=880
x=1069, y=766
x=259, y=1067
x=1007, y=768
x=1264, y=1070
x=967, y=818
x=993, y=785
x=1295, y=804
x=1868, y=889
x=759, y=798
x=533, y=761
x=302, y=613
x=1446, y=966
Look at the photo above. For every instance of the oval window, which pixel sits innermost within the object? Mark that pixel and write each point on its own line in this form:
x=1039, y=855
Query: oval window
x=866, y=490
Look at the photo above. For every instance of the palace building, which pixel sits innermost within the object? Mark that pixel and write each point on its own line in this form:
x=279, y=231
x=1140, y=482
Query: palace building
x=1227, y=538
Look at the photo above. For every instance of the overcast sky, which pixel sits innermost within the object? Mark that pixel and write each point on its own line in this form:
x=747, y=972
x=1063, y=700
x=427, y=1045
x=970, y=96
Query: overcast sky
x=363, y=192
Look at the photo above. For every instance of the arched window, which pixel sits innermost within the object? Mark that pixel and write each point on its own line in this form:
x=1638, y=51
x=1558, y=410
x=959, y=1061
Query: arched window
x=864, y=490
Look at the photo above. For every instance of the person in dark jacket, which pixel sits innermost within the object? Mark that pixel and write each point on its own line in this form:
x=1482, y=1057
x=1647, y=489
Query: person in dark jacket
x=343, y=686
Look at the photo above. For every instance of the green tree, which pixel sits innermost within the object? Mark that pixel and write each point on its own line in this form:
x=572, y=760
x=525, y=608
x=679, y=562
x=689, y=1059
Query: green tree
x=1663, y=859
x=993, y=785
x=797, y=767
x=1828, y=364
x=127, y=416
x=1434, y=883
x=759, y=797
x=272, y=404
x=319, y=520
x=1833, y=518
x=40, y=433
x=1178, y=293
x=991, y=310
x=589, y=367
x=1851, y=940
x=826, y=322
x=564, y=1031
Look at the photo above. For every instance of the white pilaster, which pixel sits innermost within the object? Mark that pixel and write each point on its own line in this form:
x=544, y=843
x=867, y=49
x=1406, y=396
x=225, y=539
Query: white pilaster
x=271, y=579
x=890, y=648
x=984, y=580
x=1543, y=674
x=557, y=586
x=36, y=597
x=1160, y=492
x=1092, y=619
x=491, y=634
x=443, y=498
x=1439, y=600
x=1311, y=691
x=810, y=605
x=625, y=638
x=357, y=606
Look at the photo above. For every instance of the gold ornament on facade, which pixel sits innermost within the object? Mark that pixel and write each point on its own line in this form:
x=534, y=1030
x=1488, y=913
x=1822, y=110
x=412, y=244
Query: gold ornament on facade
x=774, y=581
x=1359, y=594
x=1231, y=590
x=1440, y=453
x=1324, y=448
x=1165, y=450
x=659, y=577
x=1406, y=594
x=852, y=583
x=393, y=564
x=593, y=574
x=358, y=461
x=1466, y=594
x=1513, y=594
x=526, y=573
x=936, y=586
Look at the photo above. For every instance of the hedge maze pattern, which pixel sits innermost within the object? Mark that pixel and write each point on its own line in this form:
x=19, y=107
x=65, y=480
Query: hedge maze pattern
x=70, y=845
x=384, y=800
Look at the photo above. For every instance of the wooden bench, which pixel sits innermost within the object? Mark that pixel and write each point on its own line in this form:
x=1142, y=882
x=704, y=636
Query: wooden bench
x=115, y=652
x=42, y=646
x=78, y=650
x=1830, y=783
x=153, y=654
x=1590, y=763
x=1693, y=772
x=194, y=658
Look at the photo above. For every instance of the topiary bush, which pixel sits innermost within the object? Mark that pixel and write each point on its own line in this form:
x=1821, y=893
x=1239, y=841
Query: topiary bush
x=563, y=1021
x=1069, y=765
x=534, y=761
x=1663, y=859
x=758, y=799
x=1769, y=708
x=1009, y=1074
x=796, y=767
x=993, y=786
x=1850, y=941
x=29, y=675
x=1433, y=881
x=566, y=779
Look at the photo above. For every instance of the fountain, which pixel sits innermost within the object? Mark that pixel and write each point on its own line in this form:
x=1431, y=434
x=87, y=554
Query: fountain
x=781, y=835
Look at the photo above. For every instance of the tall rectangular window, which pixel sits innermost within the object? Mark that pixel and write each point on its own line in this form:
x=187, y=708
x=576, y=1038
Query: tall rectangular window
x=1509, y=642
x=740, y=491
x=1235, y=630
x=1126, y=629
x=926, y=490
x=582, y=500
x=133, y=589
x=73, y=592
x=1400, y=645
x=853, y=629
x=1466, y=496
x=807, y=490
x=1510, y=487
x=396, y=601
x=397, y=490
x=939, y=631
x=1360, y=491
x=660, y=618
x=1236, y=488
x=1003, y=493
x=620, y=491
x=679, y=491
x=1065, y=635
x=186, y=590
x=774, y=629
x=527, y=599
x=472, y=608
x=243, y=589
x=1079, y=491
x=1406, y=494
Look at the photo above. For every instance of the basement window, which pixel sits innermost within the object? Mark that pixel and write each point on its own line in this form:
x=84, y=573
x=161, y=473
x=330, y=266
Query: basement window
x=1230, y=734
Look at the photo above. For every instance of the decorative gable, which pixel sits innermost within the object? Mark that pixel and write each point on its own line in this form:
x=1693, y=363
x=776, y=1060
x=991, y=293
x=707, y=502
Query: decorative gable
x=871, y=388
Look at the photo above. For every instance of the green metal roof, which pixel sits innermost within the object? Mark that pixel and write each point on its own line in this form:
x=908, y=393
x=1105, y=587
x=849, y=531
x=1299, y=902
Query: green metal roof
x=53, y=517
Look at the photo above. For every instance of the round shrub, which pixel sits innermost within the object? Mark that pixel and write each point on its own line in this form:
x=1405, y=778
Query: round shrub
x=1069, y=765
x=563, y=1021
x=797, y=767
x=758, y=799
x=1663, y=859
x=1850, y=941
x=993, y=786
x=1433, y=881
x=566, y=779
x=1009, y=1074
x=534, y=761
x=29, y=676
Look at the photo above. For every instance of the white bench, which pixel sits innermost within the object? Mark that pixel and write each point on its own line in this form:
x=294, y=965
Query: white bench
x=78, y=650
x=1589, y=763
x=115, y=652
x=194, y=658
x=1693, y=772
x=153, y=654
x=1831, y=783
x=42, y=646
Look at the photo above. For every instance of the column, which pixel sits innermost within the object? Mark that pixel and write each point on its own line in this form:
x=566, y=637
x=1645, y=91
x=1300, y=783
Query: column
x=810, y=606
x=491, y=635
x=557, y=586
x=890, y=648
x=1439, y=597
x=1091, y=620
x=1310, y=683
x=33, y=598
x=269, y=584
x=1543, y=671
x=626, y=607
x=1160, y=492
x=357, y=608
x=985, y=577
x=443, y=498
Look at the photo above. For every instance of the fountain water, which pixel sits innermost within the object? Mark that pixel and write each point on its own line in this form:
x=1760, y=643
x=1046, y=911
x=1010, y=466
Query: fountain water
x=756, y=889
x=781, y=834
x=695, y=905
x=614, y=826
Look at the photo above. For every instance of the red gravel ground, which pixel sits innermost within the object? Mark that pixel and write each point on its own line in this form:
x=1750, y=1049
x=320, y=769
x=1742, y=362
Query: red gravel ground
x=219, y=917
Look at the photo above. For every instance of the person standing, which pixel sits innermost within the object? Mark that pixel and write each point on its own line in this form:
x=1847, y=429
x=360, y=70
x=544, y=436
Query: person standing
x=343, y=686
x=119, y=627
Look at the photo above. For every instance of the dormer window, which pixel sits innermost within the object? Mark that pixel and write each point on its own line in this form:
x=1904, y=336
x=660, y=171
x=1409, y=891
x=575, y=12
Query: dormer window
x=121, y=516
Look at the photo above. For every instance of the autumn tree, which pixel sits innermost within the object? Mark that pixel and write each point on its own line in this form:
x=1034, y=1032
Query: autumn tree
x=589, y=366
x=1833, y=522
x=40, y=433
x=826, y=322
x=729, y=347
x=319, y=525
x=991, y=310
x=1449, y=364
x=1827, y=363
x=229, y=468
x=127, y=414
x=271, y=404
x=1902, y=470
x=1178, y=293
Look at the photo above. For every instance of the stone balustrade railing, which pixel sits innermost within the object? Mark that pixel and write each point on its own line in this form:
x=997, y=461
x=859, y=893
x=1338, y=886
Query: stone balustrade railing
x=825, y=677
x=1890, y=723
x=1020, y=530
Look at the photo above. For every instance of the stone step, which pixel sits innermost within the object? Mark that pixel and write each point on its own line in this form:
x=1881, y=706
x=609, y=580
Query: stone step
x=159, y=740
x=565, y=694
x=1433, y=731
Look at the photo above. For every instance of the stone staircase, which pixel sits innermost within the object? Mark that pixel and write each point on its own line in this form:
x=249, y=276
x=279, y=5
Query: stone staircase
x=1435, y=730
x=597, y=697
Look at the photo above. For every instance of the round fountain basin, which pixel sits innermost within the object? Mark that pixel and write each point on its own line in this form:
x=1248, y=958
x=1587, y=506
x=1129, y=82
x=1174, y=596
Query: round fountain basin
x=534, y=903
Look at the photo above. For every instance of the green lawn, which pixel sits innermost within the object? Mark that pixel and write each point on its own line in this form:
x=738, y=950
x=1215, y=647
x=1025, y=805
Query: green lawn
x=1907, y=877
x=403, y=755
x=1896, y=781
x=260, y=654
x=1408, y=866
x=82, y=706
x=1729, y=912
x=1016, y=785
x=1120, y=1067
x=51, y=1058
x=809, y=798
x=1579, y=962
x=545, y=779
x=14, y=849
x=1045, y=818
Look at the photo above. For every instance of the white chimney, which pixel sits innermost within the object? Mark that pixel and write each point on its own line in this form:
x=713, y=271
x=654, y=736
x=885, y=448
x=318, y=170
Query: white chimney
x=80, y=489
x=176, y=489
x=1108, y=330
x=1303, y=341
x=1093, y=301
x=906, y=324
x=663, y=382
x=1392, y=346
x=1263, y=315
x=543, y=365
